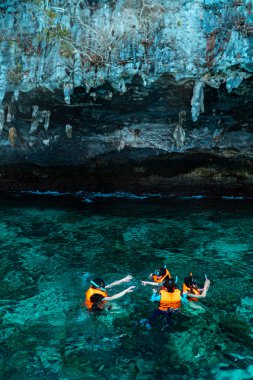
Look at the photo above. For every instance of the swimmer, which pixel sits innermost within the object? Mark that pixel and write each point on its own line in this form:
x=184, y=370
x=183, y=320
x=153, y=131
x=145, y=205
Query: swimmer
x=169, y=299
x=192, y=294
x=158, y=277
x=96, y=296
x=191, y=290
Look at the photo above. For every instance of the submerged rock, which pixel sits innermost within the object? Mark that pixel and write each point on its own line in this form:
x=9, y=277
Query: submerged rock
x=234, y=325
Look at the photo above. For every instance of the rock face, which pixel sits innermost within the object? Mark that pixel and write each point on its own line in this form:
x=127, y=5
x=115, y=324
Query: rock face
x=143, y=96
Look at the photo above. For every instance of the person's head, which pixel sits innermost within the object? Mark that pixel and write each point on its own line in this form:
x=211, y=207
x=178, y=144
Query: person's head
x=98, y=283
x=169, y=285
x=160, y=272
x=98, y=305
x=190, y=282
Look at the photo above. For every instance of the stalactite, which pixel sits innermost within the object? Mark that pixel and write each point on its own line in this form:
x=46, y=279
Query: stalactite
x=16, y=94
x=3, y=85
x=46, y=115
x=197, y=101
x=68, y=91
x=35, y=119
x=2, y=119
x=78, y=72
x=179, y=132
x=68, y=130
x=9, y=116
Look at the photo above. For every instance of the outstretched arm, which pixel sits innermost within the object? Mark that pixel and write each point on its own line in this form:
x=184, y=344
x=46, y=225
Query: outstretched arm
x=196, y=295
x=203, y=294
x=125, y=279
x=119, y=295
x=144, y=283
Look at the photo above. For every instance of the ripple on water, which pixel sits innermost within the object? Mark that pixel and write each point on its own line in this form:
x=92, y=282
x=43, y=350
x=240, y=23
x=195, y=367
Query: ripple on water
x=49, y=255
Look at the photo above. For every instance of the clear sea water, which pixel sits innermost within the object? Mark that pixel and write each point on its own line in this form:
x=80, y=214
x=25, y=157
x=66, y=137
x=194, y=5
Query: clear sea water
x=49, y=252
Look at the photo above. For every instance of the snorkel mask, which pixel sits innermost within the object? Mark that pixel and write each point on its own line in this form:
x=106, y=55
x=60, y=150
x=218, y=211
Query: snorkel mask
x=160, y=271
x=97, y=286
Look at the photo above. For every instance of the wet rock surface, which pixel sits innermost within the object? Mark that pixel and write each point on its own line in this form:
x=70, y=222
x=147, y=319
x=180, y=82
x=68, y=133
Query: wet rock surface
x=122, y=145
x=164, y=107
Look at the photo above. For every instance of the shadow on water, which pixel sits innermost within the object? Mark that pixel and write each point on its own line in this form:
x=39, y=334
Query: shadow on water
x=51, y=249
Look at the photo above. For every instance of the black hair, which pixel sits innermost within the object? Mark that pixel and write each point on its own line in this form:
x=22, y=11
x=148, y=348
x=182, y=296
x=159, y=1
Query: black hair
x=160, y=271
x=99, y=282
x=169, y=284
x=190, y=281
x=97, y=306
x=96, y=298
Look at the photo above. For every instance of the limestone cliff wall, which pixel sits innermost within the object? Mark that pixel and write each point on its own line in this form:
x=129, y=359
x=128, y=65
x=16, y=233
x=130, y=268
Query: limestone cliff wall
x=82, y=81
x=60, y=44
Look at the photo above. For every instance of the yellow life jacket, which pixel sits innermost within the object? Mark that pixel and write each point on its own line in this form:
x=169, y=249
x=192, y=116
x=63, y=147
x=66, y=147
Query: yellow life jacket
x=160, y=280
x=186, y=289
x=90, y=292
x=170, y=300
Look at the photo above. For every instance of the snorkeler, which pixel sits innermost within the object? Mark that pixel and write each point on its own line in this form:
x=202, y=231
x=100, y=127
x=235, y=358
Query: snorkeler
x=191, y=290
x=96, y=296
x=169, y=302
x=158, y=277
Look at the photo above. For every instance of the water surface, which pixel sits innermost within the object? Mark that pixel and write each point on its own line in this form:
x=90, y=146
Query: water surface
x=49, y=253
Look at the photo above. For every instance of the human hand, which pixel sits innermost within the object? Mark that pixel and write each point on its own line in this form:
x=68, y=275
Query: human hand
x=151, y=275
x=144, y=283
x=154, y=290
x=207, y=284
x=127, y=278
x=130, y=289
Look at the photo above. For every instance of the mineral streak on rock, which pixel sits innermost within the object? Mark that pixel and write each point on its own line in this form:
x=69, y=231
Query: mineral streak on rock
x=13, y=138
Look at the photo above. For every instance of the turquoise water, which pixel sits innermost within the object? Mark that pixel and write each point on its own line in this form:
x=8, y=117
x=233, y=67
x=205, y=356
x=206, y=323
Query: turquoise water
x=50, y=252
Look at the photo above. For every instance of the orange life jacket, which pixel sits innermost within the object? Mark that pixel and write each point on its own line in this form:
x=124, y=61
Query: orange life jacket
x=170, y=300
x=159, y=280
x=90, y=292
x=186, y=289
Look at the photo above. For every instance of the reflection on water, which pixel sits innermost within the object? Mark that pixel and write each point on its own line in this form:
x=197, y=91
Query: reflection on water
x=49, y=254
